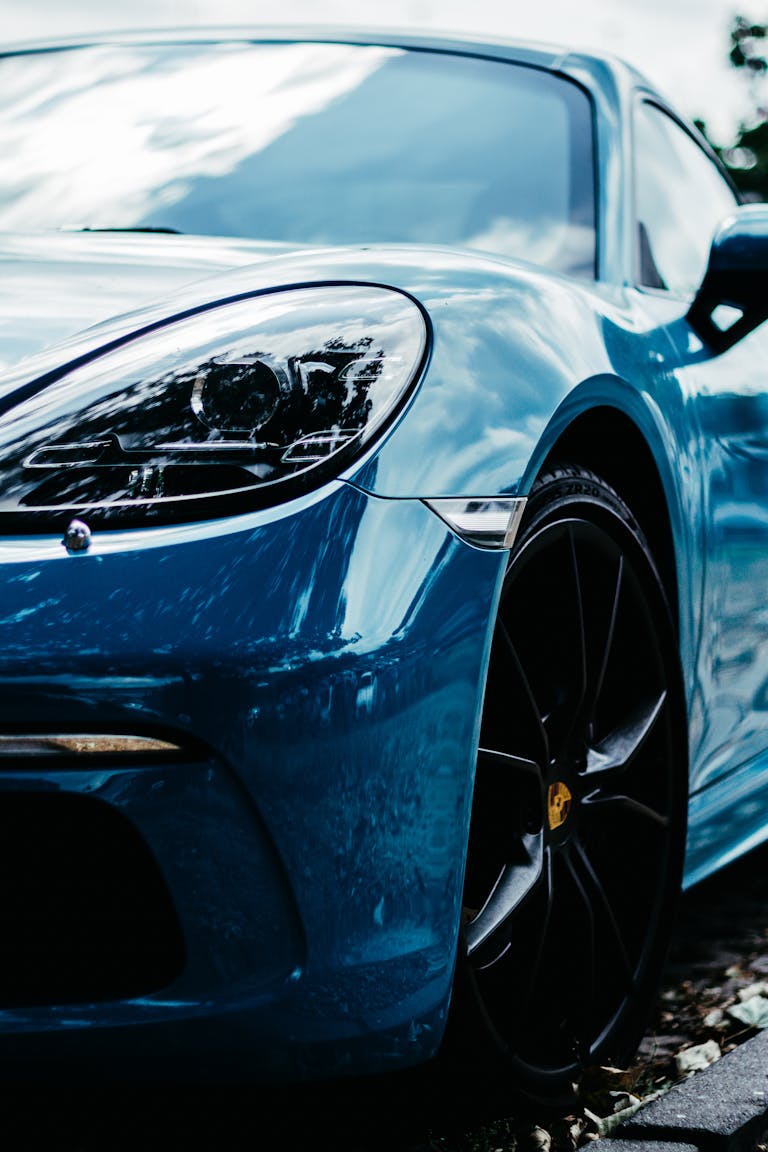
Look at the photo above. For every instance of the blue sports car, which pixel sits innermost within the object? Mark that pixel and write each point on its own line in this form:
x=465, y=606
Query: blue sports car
x=384, y=507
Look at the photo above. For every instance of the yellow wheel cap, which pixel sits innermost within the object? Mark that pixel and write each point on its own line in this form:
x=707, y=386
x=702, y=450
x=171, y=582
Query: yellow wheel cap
x=559, y=801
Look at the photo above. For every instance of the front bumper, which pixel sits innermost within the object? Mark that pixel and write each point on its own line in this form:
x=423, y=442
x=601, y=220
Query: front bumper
x=320, y=666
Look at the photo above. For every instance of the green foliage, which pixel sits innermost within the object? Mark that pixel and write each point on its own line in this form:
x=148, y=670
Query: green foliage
x=747, y=46
x=747, y=157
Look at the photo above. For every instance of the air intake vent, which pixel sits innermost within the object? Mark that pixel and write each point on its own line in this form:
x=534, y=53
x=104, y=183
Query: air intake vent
x=84, y=911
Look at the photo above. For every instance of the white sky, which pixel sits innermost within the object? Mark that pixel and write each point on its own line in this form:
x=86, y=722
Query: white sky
x=681, y=45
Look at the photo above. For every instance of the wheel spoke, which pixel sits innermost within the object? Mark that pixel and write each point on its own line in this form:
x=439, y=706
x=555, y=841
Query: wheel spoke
x=607, y=646
x=599, y=898
x=548, y=884
x=564, y=716
x=588, y=957
x=581, y=641
x=488, y=758
x=614, y=754
x=618, y=802
x=524, y=684
x=489, y=933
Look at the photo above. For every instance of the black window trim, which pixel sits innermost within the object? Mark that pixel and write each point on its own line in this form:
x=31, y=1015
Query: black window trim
x=645, y=96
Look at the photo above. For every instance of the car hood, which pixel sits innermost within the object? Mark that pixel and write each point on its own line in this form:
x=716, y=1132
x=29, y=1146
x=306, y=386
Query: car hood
x=510, y=344
x=53, y=286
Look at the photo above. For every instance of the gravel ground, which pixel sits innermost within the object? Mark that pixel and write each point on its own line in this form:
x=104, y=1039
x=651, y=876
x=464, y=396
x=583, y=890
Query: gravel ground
x=718, y=962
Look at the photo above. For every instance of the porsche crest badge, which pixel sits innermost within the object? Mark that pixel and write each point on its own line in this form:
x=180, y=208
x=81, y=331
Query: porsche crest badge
x=559, y=801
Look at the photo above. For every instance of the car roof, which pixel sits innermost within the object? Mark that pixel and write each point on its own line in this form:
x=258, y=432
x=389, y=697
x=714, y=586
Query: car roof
x=531, y=52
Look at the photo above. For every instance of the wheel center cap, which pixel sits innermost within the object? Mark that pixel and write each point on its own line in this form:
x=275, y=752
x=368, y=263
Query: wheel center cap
x=559, y=802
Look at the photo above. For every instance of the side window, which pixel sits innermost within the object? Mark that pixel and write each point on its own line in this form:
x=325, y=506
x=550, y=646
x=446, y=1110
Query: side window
x=680, y=198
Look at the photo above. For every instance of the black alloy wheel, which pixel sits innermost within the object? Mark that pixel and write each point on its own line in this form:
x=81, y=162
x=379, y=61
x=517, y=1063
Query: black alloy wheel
x=576, y=843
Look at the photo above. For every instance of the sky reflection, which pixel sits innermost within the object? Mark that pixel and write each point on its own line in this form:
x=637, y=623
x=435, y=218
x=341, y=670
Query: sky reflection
x=308, y=144
x=130, y=153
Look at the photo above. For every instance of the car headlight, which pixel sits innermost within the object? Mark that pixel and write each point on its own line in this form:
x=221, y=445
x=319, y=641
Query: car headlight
x=239, y=406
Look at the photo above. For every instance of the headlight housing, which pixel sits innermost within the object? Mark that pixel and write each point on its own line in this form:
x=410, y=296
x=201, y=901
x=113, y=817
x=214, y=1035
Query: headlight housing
x=242, y=405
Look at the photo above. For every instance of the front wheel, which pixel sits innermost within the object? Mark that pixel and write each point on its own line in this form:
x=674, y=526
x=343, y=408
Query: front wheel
x=577, y=832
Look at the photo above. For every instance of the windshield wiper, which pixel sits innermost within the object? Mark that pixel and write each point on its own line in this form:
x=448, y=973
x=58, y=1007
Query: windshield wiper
x=138, y=228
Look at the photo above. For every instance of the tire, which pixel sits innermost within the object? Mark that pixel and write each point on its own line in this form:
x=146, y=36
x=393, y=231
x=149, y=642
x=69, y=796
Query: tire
x=575, y=854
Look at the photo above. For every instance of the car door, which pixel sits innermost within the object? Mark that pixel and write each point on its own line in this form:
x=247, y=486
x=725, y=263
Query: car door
x=681, y=196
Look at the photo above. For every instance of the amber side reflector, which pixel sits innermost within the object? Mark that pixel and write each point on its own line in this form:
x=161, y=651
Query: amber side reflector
x=85, y=744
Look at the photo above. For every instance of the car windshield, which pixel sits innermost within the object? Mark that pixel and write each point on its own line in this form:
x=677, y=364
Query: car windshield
x=302, y=143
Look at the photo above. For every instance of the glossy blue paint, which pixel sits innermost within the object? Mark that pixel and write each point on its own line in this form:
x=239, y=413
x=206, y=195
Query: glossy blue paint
x=326, y=657
x=48, y=291
x=727, y=428
x=332, y=713
x=551, y=350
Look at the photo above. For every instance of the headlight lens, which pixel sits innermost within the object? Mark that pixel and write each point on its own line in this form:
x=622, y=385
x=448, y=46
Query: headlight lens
x=239, y=406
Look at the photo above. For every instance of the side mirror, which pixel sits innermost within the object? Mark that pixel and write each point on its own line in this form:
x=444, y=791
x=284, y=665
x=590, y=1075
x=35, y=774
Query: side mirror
x=736, y=277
